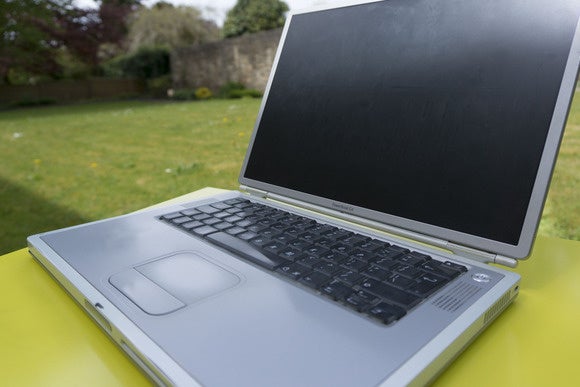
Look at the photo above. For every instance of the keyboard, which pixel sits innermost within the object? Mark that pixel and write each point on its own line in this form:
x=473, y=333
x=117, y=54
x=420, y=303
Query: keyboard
x=374, y=278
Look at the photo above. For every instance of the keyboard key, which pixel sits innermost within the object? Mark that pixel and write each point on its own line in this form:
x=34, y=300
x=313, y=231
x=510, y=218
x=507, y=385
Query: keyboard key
x=173, y=215
x=246, y=250
x=289, y=253
x=336, y=290
x=208, y=209
x=341, y=247
x=235, y=230
x=386, y=313
x=441, y=269
x=260, y=241
x=412, y=259
x=285, y=238
x=204, y=230
x=292, y=270
x=326, y=267
x=408, y=271
x=223, y=225
x=183, y=219
x=357, y=303
x=233, y=219
x=372, y=245
x=385, y=263
x=321, y=228
x=337, y=234
x=234, y=201
x=273, y=246
x=455, y=266
x=354, y=240
x=400, y=281
x=362, y=255
x=220, y=205
x=245, y=223
x=190, y=212
x=317, y=250
x=314, y=280
x=388, y=253
x=376, y=273
x=354, y=264
x=247, y=235
x=211, y=221
x=201, y=216
x=350, y=277
x=190, y=225
x=308, y=260
x=333, y=256
x=389, y=292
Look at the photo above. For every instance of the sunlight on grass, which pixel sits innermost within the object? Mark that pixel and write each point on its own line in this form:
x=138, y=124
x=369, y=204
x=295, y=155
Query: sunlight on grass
x=561, y=217
x=111, y=158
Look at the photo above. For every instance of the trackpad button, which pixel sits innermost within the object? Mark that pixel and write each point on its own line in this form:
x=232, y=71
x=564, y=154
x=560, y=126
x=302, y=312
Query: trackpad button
x=144, y=293
x=188, y=277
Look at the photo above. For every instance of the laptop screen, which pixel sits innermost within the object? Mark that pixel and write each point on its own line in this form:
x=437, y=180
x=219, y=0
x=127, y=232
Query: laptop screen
x=435, y=111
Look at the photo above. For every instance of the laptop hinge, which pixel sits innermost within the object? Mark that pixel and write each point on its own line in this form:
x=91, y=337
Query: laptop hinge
x=463, y=251
x=253, y=191
x=481, y=256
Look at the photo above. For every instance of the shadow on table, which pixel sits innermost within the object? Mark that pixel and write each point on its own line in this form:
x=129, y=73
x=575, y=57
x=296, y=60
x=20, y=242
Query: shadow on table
x=23, y=213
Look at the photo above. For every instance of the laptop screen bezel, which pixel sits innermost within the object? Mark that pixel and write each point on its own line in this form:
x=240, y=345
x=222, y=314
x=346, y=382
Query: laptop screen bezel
x=522, y=249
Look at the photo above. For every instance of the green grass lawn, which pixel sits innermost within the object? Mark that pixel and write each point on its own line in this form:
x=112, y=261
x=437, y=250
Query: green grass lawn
x=70, y=164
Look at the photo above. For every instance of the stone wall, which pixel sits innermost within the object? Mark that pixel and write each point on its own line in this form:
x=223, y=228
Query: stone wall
x=246, y=59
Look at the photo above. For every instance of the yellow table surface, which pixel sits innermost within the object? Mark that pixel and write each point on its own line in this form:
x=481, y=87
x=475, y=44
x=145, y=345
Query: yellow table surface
x=47, y=340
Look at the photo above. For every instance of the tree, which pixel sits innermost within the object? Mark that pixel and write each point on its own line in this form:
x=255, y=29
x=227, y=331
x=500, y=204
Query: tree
x=85, y=31
x=169, y=26
x=27, y=46
x=40, y=36
x=249, y=16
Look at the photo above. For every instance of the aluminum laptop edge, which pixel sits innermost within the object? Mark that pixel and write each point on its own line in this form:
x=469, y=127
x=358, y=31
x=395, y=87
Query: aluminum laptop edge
x=430, y=124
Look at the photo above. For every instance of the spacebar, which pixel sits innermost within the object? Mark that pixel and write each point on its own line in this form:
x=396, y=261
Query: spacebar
x=246, y=250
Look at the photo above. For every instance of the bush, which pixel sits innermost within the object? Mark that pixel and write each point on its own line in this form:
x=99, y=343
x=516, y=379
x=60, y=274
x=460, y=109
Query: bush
x=192, y=94
x=159, y=86
x=233, y=90
x=183, y=94
x=145, y=63
x=246, y=93
x=203, y=93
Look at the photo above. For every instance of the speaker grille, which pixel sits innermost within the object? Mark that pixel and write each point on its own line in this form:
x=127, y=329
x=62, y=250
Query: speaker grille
x=497, y=307
x=456, y=296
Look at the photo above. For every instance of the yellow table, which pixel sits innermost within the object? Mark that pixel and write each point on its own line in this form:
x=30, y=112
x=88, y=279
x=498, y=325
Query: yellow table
x=46, y=339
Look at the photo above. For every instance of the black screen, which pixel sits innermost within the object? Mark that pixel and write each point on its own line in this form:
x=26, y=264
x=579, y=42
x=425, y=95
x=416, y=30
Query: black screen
x=431, y=110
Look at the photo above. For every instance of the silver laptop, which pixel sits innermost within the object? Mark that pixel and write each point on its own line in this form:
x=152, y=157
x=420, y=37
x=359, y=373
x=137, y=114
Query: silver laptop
x=401, y=147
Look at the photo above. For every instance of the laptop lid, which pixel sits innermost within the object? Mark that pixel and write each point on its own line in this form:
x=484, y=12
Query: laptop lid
x=396, y=112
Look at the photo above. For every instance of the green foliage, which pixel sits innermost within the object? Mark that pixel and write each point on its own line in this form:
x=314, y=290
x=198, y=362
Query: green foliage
x=203, y=93
x=158, y=87
x=249, y=16
x=169, y=26
x=145, y=63
x=233, y=90
x=57, y=39
x=26, y=44
x=183, y=95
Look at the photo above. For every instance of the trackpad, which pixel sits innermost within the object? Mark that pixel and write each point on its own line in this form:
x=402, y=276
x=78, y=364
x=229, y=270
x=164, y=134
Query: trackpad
x=180, y=278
